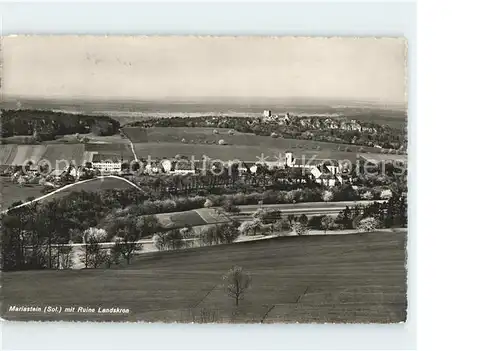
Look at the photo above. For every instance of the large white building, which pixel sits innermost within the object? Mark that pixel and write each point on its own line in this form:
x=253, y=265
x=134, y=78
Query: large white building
x=107, y=164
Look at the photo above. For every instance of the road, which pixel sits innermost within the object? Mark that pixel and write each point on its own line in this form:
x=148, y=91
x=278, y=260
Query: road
x=133, y=150
x=307, y=205
x=307, y=208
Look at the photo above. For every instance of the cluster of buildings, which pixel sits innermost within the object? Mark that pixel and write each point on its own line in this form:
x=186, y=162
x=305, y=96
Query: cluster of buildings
x=339, y=123
x=323, y=171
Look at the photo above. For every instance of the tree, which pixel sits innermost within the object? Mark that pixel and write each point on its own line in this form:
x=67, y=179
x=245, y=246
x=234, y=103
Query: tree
x=328, y=223
x=300, y=229
x=171, y=239
x=368, y=224
x=267, y=215
x=344, y=218
x=160, y=240
x=208, y=203
x=368, y=195
x=187, y=231
x=303, y=219
x=236, y=283
x=327, y=196
x=250, y=226
x=230, y=207
x=228, y=233
x=127, y=237
x=148, y=225
x=93, y=254
x=281, y=225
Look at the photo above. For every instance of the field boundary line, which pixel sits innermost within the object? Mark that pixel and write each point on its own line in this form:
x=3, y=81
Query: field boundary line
x=70, y=186
x=267, y=313
x=204, y=297
x=302, y=295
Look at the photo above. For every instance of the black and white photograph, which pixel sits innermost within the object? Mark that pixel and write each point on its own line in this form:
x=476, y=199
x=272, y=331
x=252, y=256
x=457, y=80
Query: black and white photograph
x=204, y=179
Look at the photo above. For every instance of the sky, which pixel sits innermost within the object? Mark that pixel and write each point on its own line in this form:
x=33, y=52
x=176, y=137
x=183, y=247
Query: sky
x=151, y=68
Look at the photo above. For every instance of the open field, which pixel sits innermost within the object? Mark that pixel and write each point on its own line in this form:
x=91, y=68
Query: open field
x=19, y=154
x=194, y=218
x=14, y=192
x=96, y=184
x=120, y=149
x=332, y=278
x=206, y=136
x=10, y=192
x=234, y=152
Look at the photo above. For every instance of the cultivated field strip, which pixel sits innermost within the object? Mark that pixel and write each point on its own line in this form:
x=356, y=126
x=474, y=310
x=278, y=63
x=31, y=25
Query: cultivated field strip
x=206, y=136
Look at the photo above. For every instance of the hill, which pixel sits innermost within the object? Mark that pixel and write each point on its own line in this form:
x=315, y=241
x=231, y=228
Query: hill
x=89, y=185
x=332, y=278
x=48, y=124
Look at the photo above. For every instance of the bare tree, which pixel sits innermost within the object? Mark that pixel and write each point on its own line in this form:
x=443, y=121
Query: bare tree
x=127, y=239
x=236, y=283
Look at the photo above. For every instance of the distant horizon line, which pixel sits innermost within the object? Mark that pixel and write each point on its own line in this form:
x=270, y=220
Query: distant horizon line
x=254, y=100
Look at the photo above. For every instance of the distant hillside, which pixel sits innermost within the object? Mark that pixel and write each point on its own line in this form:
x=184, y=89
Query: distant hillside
x=223, y=105
x=46, y=125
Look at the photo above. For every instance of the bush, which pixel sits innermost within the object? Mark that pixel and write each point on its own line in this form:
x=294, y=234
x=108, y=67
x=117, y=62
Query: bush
x=368, y=195
x=328, y=223
x=222, y=142
x=315, y=222
x=208, y=203
x=368, y=224
x=300, y=229
x=327, y=196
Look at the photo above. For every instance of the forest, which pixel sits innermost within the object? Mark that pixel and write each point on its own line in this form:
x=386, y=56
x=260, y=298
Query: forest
x=46, y=125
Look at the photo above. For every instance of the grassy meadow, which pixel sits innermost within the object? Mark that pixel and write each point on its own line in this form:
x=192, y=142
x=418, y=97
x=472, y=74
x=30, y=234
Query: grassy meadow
x=321, y=278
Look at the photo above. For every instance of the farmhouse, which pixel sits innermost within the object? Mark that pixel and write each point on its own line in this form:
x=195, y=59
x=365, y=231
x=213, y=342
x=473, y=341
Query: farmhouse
x=109, y=164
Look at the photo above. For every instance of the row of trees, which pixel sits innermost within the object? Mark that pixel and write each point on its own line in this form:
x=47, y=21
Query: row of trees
x=392, y=213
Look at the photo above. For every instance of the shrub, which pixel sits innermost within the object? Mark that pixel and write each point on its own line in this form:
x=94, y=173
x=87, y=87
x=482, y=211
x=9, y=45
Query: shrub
x=250, y=227
x=327, y=196
x=222, y=142
x=208, y=203
x=328, y=223
x=160, y=241
x=315, y=222
x=300, y=229
x=368, y=224
x=368, y=195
